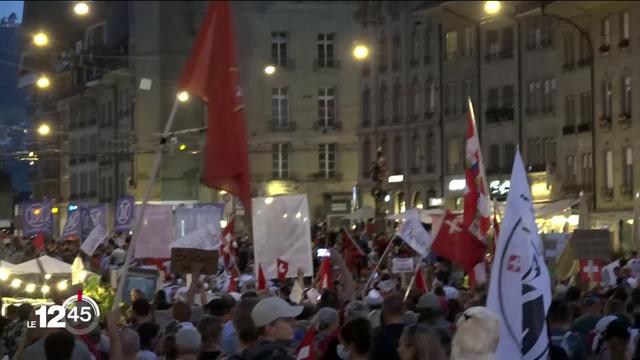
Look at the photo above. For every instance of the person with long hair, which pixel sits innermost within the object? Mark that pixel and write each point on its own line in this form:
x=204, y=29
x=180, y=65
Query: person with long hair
x=355, y=340
x=419, y=342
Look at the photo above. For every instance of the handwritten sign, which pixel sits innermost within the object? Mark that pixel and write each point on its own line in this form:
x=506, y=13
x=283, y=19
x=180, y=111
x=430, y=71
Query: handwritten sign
x=401, y=265
x=183, y=260
x=414, y=234
x=592, y=244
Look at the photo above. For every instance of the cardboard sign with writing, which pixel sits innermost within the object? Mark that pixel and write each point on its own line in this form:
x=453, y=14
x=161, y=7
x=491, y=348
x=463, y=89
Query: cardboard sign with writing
x=402, y=265
x=183, y=260
x=591, y=244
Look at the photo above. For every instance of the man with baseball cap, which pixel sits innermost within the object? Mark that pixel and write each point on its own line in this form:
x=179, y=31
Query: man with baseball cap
x=273, y=319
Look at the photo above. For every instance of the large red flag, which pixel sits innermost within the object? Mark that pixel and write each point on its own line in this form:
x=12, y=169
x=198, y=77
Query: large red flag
x=457, y=244
x=420, y=282
x=283, y=269
x=211, y=73
x=351, y=252
x=324, y=275
x=262, y=280
x=307, y=348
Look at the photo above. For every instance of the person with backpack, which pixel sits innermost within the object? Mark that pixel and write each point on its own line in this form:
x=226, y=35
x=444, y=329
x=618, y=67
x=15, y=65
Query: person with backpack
x=563, y=341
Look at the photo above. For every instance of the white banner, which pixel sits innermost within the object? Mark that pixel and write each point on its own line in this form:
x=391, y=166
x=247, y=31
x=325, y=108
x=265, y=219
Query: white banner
x=281, y=230
x=156, y=232
x=198, y=228
x=414, y=234
x=402, y=265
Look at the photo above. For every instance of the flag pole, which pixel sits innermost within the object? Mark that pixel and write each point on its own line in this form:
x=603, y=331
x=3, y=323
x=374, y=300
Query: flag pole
x=138, y=224
x=413, y=280
x=375, y=269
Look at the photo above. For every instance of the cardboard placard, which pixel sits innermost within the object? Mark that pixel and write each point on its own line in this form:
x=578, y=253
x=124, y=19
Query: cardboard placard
x=183, y=260
x=592, y=244
x=402, y=265
x=554, y=245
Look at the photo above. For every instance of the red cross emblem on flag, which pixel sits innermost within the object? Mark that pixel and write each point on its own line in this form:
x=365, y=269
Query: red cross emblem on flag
x=514, y=263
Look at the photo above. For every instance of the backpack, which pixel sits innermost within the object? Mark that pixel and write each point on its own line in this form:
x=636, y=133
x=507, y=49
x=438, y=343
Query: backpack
x=564, y=343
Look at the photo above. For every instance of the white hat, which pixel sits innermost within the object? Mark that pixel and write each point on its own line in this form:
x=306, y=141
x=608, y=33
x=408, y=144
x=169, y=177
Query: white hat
x=271, y=309
x=373, y=298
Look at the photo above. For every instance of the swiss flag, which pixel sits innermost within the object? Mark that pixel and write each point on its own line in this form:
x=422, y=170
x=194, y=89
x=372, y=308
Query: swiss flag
x=283, y=269
x=211, y=72
x=591, y=270
x=351, y=252
x=307, y=348
x=420, y=282
x=457, y=244
x=233, y=281
x=324, y=276
x=262, y=281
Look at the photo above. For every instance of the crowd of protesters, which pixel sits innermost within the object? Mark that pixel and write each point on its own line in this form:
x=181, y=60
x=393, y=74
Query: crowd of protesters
x=350, y=319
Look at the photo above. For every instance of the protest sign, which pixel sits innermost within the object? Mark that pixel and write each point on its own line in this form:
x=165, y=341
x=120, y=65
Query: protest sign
x=197, y=234
x=123, y=214
x=414, y=234
x=156, y=232
x=402, y=265
x=592, y=244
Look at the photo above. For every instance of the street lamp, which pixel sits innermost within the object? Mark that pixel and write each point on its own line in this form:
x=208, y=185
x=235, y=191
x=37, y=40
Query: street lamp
x=43, y=82
x=44, y=130
x=360, y=52
x=492, y=7
x=81, y=8
x=183, y=96
x=40, y=39
x=269, y=69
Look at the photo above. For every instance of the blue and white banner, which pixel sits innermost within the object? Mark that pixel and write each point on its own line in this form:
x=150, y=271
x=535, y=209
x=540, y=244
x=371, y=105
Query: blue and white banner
x=520, y=288
x=123, y=214
x=36, y=217
x=73, y=227
x=93, y=216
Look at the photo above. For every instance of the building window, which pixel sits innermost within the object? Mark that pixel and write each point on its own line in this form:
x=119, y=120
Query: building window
x=327, y=107
x=398, y=156
x=626, y=98
x=507, y=96
x=430, y=97
x=415, y=44
x=606, y=98
x=327, y=160
x=585, y=108
x=451, y=41
x=550, y=152
x=454, y=155
x=548, y=99
x=451, y=105
x=395, y=103
x=535, y=153
x=585, y=50
x=468, y=89
x=494, y=158
x=382, y=103
x=469, y=42
x=507, y=43
x=83, y=184
x=569, y=51
x=493, y=44
x=326, y=50
x=416, y=158
x=384, y=52
x=366, y=158
x=531, y=98
x=624, y=26
x=396, y=52
x=280, y=107
x=606, y=33
x=608, y=166
x=366, y=107
x=586, y=169
x=102, y=188
x=74, y=185
x=509, y=155
x=571, y=170
x=569, y=111
x=280, y=161
x=429, y=157
x=627, y=170
x=494, y=98
x=93, y=183
x=414, y=97
x=279, y=48
x=428, y=45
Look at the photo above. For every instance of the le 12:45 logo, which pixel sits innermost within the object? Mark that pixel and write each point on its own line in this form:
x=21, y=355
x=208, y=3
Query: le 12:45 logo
x=78, y=314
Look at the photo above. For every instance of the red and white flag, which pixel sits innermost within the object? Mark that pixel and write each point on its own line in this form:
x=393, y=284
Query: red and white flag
x=262, y=281
x=420, y=282
x=283, y=269
x=591, y=270
x=351, y=251
x=324, y=275
x=458, y=244
x=211, y=73
x=496, y=224
x=233, y=280
x=226, y=248
x=307, y=348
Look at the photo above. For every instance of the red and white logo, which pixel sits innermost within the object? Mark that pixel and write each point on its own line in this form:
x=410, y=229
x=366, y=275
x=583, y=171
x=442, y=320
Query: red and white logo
x=514, y=263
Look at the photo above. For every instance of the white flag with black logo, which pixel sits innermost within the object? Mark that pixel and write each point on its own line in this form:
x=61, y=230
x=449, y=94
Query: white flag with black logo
x=519, y=265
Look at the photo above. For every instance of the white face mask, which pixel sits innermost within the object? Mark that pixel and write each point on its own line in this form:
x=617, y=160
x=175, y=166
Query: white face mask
x=343, y=353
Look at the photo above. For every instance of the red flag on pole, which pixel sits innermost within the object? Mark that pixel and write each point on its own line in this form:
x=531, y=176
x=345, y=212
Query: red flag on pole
x=457, y=244
x=307, y=348
x=233, y=281
x=211, y=73
x=420, y=282
x=351, y=252
x=262, y=281
x=324, y=275
x=38, y=242
x=283, y=269
x=591, y=270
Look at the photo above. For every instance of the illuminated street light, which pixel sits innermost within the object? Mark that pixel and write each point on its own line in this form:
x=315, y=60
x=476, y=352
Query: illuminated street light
x=30, y=288
x=54, y=210
x=492, y=7
x=15, y=283
x=269, y=69
x=360, y=52
x=81, y=8
x=47, y=276
x=182, y=147
x=40, y=39
x=44, y=130
x=43, y=82
x=183, y=96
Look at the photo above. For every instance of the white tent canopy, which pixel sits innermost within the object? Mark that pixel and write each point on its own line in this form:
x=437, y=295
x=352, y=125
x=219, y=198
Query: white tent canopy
x=42, y=265
x=6, y=265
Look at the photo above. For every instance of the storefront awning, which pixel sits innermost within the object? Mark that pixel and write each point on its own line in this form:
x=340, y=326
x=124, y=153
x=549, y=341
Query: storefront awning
x=554, y=208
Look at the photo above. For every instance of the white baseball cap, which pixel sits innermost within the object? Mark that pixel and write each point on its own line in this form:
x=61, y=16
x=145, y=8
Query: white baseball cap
x=271, y=309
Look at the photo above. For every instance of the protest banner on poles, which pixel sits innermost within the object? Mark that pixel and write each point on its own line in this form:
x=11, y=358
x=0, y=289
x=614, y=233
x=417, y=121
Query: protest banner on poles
x=156, y=232
x=281, y=231
x=197, y=234
x=36, y=217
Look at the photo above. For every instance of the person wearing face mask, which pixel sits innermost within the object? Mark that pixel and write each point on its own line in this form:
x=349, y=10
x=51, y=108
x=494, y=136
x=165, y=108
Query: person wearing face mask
x=355, y=340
